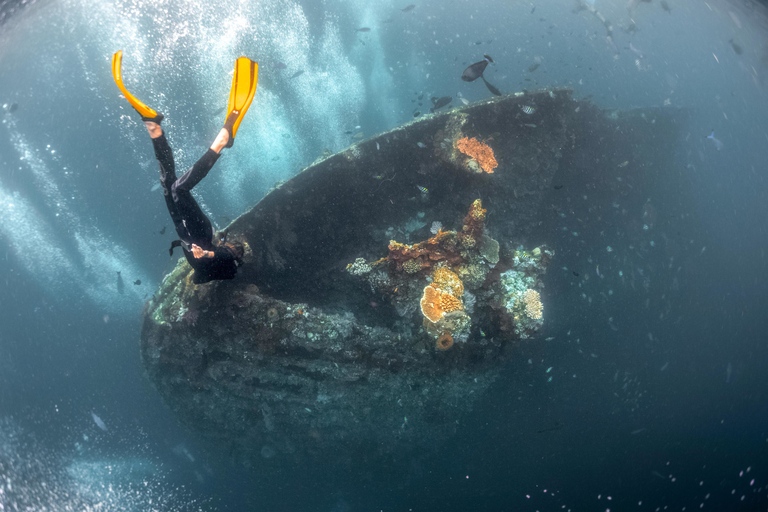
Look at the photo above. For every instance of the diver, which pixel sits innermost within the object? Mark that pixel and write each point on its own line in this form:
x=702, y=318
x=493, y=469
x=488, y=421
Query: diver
x=210, y=261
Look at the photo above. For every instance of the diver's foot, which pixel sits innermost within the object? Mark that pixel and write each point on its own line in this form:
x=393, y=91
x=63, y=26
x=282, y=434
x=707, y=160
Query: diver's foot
x=153, y=128
x=221, y=141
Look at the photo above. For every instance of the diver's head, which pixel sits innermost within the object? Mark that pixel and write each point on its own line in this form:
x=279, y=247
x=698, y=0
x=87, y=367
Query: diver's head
x=237, y=249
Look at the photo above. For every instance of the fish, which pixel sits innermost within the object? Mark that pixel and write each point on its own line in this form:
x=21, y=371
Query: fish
x=440, y=102
x=464, y=101
x=557, y=187
x=409, y=8
x=417, y=113
x=10, y=108
x=358, y=135
x=279, y=65
x=491, y=88
x=736, y=47
x=363, y=29
x=475, y=71
x=423, y=190
x=137, y=282
x=718, y=144
x=533, y=67
x=162, y=231
x=155, y=187
x=421, y=145
x=120, y=284
x=296, y=74
x=527, y=109
x=98, y=421
x=665, y=6
x=575, y=273
x=623, y=164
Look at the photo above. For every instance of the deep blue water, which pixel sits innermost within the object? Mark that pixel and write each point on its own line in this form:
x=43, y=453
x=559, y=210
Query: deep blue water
x=657, y=398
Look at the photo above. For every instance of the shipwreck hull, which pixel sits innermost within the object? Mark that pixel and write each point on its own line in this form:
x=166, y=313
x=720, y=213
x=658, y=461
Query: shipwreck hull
x=297, y=355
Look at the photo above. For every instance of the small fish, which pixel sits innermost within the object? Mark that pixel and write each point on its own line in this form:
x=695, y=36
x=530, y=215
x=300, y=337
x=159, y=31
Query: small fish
x=530, y=125
x=120, y=284
x=279, y=65
x=155, y=187
x=528, y=109
x=363, y=29
x=440, y=102
x=623, y=164
x=421, y=145
x=99, y=423
x=417, y=113
x=423, y=190
x=665, y=6
x=557, y=187
x=597, y=271
x=358, y=135
x=533, y=67
x=296, y=74
x=491, y=87
x=736, y=47
x=137, y=282
x=575, y=273
x=409, y=8
x=476, y=70
x=162, y=231
x=718, y=144
x=10, y=108
x=464, y=101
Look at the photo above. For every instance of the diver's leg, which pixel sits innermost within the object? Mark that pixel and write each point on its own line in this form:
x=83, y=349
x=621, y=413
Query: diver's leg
x=164, y=156
x=196, y=173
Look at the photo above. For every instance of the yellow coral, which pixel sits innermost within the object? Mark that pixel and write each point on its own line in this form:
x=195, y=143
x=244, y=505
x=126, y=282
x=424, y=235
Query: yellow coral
x=447, y=280
x=481, y=152
x=533, y=306
x=412, y=266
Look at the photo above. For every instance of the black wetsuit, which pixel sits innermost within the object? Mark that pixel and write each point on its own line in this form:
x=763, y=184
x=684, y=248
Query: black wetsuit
x=192, y=226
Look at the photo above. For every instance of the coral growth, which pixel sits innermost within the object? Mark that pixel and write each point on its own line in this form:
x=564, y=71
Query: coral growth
x=436, y=302
x=444, y=342
x=448, y=281
x=533, y=307
x=479, y=151
x=474, y=223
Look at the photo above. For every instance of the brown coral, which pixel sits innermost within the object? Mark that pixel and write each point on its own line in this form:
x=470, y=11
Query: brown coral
x=481, y=152
x=435, y=303
x=444, y=342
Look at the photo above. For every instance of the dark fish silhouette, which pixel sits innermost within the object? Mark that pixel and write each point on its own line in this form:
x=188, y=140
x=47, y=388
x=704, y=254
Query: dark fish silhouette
x=10, y=107
x=491, y=88
x=137, y=282
x=409, y=8
x=665, y=6
x=558, y=187
x=120, y=284
x=162, y=231
x=417, y=113
x=296, y=74
x=476, y=70
x=363, y=29
x=440, y=102
x=736, y=47
x=533, y=67
x=279, y=65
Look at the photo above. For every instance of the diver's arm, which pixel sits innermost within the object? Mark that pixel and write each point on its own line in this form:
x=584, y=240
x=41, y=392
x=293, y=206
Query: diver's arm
x=198, y=252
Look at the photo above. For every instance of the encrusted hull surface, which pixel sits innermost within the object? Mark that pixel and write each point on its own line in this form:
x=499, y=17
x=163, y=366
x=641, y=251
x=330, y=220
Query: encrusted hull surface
x=304, y=353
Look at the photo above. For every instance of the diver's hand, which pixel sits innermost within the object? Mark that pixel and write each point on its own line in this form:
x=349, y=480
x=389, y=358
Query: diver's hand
x=198, y=252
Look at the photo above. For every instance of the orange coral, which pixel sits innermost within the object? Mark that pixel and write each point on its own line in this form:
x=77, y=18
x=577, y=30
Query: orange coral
x=444, y=342
x=435, y=303
x=481, y=152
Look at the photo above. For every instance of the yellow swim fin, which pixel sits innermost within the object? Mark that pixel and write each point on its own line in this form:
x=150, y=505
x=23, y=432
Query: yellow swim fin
x=146, y=112
x=241, y=95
